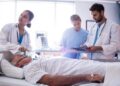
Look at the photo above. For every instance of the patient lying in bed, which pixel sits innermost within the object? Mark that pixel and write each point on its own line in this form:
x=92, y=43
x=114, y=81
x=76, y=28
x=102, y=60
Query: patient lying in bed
x=11, y=65
x=56, y=71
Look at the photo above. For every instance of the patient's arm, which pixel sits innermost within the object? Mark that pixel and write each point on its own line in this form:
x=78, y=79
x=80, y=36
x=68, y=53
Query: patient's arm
x=68, y=80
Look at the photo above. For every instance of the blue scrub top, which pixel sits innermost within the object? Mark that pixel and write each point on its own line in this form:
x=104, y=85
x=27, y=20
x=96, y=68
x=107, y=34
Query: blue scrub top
x=73, y=39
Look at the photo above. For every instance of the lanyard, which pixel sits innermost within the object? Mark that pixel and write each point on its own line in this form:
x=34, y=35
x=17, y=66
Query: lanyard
x=19, y=36
x=96, y=36
x=97, y=31
x=102, y=29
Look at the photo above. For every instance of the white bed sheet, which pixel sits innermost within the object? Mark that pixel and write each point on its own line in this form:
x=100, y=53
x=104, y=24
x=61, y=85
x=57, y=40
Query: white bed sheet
x=5, y=81
x=92, y=84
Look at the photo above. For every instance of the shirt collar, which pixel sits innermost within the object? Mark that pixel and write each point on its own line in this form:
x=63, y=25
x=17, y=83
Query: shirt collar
x=18, y=28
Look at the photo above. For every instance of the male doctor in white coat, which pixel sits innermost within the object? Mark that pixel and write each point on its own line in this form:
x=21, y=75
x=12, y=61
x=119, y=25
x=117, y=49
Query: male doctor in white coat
x=119, y=54
x=119, y=47
x=103, y=39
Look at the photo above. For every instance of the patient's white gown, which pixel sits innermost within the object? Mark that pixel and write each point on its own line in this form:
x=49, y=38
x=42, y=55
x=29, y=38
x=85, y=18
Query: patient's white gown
x=61, y=66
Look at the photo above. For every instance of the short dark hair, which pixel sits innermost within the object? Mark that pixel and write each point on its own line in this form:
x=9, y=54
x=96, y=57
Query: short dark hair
x=75, y=18
x=97, y=7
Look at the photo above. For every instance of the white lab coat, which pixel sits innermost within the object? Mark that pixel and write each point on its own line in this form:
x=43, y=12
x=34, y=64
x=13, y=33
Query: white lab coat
x=119, y=51
x=119, y=55
x=11, y=31
x=108, y=40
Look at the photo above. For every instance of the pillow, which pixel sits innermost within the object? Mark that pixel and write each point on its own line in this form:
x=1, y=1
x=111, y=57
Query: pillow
x=1, y=56
x=11, y=71
x=112, y=76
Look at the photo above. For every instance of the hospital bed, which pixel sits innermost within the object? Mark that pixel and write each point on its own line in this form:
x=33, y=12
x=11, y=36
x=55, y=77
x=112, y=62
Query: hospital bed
x=6, y=81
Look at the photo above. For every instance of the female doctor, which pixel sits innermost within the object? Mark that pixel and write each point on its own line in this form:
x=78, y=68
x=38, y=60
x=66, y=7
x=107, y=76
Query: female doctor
x=16, y=33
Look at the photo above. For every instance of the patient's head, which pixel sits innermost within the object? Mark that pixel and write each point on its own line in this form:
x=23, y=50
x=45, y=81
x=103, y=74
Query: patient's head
x=20, y=60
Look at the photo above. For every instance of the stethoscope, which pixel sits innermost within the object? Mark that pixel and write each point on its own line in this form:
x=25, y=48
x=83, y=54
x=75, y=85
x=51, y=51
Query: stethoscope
x=18, y=32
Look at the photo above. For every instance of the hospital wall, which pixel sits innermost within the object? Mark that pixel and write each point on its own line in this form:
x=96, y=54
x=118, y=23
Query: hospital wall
x=112, y=10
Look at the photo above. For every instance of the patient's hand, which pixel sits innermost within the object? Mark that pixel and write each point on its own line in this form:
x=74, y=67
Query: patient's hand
x=95, y=78
x=20, y=60
x=84, y=56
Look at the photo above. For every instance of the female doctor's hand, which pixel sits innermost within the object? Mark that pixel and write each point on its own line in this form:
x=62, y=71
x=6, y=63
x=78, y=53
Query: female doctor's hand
x=23, y=49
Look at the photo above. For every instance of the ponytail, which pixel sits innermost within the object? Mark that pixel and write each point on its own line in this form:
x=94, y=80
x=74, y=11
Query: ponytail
x=28, y=25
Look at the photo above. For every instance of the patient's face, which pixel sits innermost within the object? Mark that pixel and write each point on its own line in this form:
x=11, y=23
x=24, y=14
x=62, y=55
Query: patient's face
x=20, y=60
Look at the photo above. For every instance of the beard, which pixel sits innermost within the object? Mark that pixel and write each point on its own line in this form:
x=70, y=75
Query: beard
x=99, y=19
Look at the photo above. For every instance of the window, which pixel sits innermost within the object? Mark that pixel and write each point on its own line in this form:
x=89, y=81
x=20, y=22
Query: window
x=7, y=14
x=51, y=18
